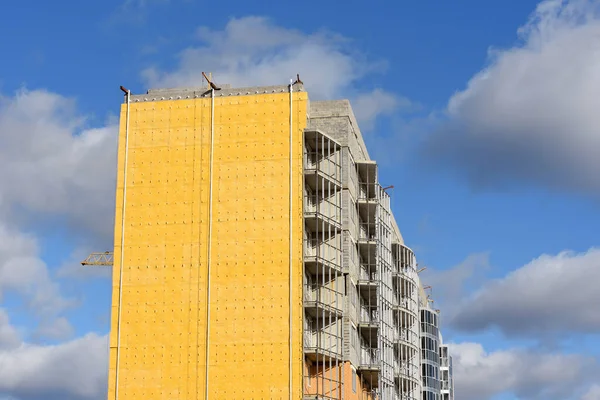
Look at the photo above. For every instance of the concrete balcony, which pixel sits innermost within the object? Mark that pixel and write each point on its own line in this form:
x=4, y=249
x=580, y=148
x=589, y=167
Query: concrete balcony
x=322, y=258
x=370, y=365
x=320, y=346
x=322, y=215
x=322, y=302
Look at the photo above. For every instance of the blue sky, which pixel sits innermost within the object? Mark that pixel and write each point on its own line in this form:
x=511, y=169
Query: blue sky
x=481, y=114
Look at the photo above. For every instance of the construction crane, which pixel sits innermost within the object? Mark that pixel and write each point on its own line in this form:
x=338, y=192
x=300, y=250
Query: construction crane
x=99, y=259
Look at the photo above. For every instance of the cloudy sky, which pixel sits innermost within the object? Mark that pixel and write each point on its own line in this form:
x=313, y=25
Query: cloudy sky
x=484, y=115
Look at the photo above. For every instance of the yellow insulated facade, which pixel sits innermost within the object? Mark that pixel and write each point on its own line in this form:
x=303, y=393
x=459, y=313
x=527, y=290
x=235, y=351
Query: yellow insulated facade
x=209, y=209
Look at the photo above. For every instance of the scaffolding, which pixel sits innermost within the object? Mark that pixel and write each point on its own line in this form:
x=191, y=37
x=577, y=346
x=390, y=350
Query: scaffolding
x=324, y=290
x=374, y=286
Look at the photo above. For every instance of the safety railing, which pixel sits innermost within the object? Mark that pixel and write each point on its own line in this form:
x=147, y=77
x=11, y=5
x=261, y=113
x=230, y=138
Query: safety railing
x=406, y=335
x=324, y=295
x=406, y=303
x=323, y=251
x=324, y=341
x=367, y=191
x=370, y=357
x=368, y=314
x=367, y=274
x=406, y=368
x=316, y=204
x=328, y=165
x=367, y=231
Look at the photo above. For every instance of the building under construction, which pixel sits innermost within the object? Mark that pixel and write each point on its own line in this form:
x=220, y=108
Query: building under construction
x=256, y=255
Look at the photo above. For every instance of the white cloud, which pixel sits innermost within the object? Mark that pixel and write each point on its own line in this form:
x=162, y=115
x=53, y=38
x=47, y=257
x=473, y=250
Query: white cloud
x=75, y=370
x=253, y=51
x=24, y=273
x=532, y=115
x=368, y=106
x=53, y=165
x=9, y=335
x=55, y=171
x=526, y=374
x=448, y=286
x=58, y=328
x=551, y=294
x=593, y=393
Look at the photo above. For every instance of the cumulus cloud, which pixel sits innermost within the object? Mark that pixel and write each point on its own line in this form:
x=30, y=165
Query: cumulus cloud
x=368, y=106
x=9, y=336
x=531, y=116
x=449, y=286
x=56, y=171
x=526, y=374
x=53, y=165
x=23, y=272
x=550, y=295
x=254, y=51
x=593, y=393
x=74, y=370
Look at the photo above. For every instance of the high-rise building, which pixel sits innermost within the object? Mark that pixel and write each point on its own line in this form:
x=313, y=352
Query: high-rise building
x=446, y=374
x=256, y=255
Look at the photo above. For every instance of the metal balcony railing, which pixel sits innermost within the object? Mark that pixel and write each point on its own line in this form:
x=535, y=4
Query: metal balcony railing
x=317, y=162
x=323, y=251
x=369, y=274
x=369, y=314
x=406, y=303
x=323, y=341
x=370, y=357
x=367, y=232
x=367, y=191
x=323, y=295
x=407, y=369
x=316, y=204
x=407, y=336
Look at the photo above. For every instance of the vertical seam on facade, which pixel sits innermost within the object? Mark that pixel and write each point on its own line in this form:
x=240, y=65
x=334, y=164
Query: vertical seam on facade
x=197, y=350
x=291, y=244
x=190, y=281
x=210, y=209
x=122, y=248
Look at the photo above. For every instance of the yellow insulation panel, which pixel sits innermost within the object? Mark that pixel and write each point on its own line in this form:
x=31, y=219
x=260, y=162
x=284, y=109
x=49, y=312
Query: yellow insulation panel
x=163, y=314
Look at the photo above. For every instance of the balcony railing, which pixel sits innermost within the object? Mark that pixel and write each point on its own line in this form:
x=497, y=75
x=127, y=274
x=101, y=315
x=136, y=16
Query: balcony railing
x=324, y=295
x=323, y=341
x=367, y=274
x=367, y=232
x=367, y=191
x=407, y=336
x=323, y=251
x=406, y=303
x=370, y=357
x=406, y=369
x=316, y=161
x=369, y=315
x=315, y=204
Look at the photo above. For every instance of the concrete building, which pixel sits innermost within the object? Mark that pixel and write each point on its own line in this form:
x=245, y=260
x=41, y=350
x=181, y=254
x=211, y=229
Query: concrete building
x=256, y=255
